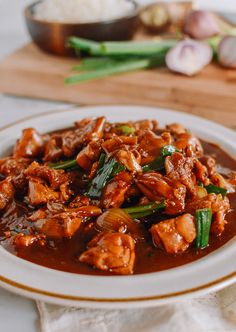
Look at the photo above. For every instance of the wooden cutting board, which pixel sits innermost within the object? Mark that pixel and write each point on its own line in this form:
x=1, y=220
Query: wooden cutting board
x=212, y=94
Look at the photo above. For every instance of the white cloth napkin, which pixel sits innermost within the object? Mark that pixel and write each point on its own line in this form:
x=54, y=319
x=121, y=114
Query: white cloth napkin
x=212, y=313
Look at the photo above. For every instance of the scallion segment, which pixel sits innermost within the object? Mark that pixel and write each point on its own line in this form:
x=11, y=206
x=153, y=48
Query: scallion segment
x=168, y=150
x=143, y=48
x=211, y=188
x=140, y=211
x=126, y=130
x=203, y=223
x=85, y=45
x=117, y=67
x=159, y=163
x=156, y=165
x=106, y=170
x=64, y=165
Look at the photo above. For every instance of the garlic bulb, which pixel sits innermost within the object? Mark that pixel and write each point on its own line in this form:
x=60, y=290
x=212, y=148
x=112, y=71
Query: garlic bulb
x=189, y=57
x=227, y=52
x=201, y=24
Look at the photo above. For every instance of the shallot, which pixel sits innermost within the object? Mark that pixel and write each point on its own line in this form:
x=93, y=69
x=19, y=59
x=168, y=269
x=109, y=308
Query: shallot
x=227, y=52
x=201, y=24
x=189, y=57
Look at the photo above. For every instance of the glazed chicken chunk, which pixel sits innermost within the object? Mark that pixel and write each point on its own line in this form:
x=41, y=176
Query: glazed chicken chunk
x=30, y=145
x=7, y=192
x=174, y=235
x=60, y=225
x=112, y=252
x=220, y=207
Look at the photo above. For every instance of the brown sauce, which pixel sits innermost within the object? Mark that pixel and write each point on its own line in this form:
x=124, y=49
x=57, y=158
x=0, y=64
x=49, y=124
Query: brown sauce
x=63, y=255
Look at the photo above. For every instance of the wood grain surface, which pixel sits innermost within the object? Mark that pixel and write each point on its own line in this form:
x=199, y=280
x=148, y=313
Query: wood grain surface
x=210, y=94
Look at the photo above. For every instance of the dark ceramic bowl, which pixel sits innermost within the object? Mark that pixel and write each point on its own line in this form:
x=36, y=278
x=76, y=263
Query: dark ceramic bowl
x=51, y=36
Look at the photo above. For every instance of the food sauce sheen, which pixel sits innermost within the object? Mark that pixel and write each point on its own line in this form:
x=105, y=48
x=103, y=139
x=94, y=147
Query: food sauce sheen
x=63, y=255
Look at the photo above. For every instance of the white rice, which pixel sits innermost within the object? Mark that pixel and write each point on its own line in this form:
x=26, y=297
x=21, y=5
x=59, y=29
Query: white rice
x=82, y=11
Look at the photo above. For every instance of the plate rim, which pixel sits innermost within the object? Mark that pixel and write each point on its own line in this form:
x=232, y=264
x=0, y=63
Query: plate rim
x=215, y=284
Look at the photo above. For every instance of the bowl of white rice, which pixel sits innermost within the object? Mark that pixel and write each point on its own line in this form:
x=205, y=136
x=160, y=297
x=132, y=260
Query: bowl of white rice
x=51, y=22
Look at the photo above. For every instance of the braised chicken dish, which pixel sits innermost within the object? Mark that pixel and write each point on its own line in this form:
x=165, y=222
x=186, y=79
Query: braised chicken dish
x=116, y=198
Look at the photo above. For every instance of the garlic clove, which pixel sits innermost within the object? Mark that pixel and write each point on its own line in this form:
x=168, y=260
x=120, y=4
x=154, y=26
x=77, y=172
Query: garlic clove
x=189, y=57
x=227, y=52
x=201, y=24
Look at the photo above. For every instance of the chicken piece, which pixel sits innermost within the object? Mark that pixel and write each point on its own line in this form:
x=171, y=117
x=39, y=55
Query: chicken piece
x=210, y=164
x=52, y=177
x=175, y=235
x=113, y=194
x=218, y=180
x=38, y=193
x=146, y=125
x=180, y=168
x=31, y=144
x=15, y=167
x=60, y=225
x=150, y=145
x=117, y=143
x=7, y=192
x=157, y=187
x=176, y=129
x=79, y=201
x=73, y=140
x=189, y=144
x=112, y=252
x=22, y=240
x=130, y=160
x=232, y=178
x=220, y=207
x=201, y=173
x=39, y=214
x=53, y=148
x=88, y=155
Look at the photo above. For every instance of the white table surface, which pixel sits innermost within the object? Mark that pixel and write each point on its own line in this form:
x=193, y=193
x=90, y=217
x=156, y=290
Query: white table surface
x=17, y=313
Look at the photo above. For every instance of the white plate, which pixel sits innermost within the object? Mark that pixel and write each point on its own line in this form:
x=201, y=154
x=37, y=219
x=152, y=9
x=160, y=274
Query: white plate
x=207, y=274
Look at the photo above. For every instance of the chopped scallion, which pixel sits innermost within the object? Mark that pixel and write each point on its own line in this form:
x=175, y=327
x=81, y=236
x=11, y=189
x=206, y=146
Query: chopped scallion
x=211, y=188
x=106, y=170
x=126, y=130
x=159, y=163
x=203, y=222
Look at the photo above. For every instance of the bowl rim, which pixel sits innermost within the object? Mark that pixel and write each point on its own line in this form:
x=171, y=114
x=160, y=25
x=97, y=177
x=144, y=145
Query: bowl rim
x=29, y=16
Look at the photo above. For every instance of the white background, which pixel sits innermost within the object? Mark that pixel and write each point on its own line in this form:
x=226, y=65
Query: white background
x=16, y=313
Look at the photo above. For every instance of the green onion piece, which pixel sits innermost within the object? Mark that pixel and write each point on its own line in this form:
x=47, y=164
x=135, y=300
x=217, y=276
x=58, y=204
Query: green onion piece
x=211, y=188
x=86, y=45
x=159, y=163
x=203, y=221
x=139, y=215
x=94, y=64
x=117, y=169
x=168, y=150
x=156, y=165
x=64, y=165
x=126, y=130
x=106, y=170
x=200, y=184
x=143, y=48
x=119, y=67
x=140, y=209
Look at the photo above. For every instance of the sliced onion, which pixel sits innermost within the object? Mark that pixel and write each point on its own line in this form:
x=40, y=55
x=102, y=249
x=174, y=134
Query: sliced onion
x=117, y=220
x=227, y=52
x=189, y=57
